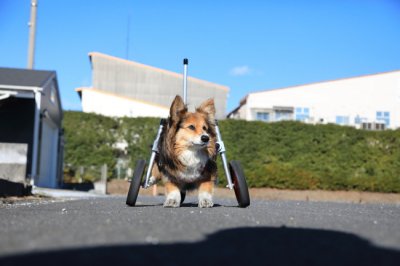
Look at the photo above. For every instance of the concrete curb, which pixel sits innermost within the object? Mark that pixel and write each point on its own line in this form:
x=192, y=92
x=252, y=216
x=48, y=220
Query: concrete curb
x=63, y=193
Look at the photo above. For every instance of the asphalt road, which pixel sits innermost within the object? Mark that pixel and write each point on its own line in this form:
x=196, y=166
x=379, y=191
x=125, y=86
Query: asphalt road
x=104, y=231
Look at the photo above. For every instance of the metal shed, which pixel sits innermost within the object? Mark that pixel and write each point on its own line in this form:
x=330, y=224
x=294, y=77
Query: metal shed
x=31, y=136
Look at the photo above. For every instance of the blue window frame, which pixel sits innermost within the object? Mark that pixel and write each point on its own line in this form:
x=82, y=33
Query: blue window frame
x=359, y=120
x=262, y=116
x=302, y=113
x=342, y=120
x=383, y=116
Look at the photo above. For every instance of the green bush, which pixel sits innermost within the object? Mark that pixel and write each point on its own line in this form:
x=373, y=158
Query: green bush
x=89, y=139
x=288, y=154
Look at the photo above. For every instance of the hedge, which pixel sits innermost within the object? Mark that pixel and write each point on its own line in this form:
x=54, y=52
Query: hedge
x=286, y=155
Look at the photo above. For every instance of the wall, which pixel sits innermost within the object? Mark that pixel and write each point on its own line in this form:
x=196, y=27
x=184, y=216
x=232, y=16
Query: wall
x=362, y=96
x=95, y=101
x=13, y=161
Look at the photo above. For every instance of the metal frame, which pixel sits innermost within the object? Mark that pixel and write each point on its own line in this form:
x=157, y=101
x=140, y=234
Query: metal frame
x=219, y=143
x=222, y=151
x=154, y=151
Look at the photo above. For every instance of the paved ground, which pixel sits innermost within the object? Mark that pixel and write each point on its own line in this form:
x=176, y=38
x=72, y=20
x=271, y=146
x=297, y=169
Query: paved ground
x=104, y=231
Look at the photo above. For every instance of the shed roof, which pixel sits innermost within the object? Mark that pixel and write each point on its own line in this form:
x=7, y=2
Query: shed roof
x=24, y=77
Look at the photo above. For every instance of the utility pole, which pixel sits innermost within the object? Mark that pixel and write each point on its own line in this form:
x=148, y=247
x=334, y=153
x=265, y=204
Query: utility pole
x=32, y=34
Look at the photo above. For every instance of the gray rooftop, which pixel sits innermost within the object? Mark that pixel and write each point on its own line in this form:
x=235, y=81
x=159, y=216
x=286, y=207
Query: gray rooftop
x=24, y=77
x=152, y=85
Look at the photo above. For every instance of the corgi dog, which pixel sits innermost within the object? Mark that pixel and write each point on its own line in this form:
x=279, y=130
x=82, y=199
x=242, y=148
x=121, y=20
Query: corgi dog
x=187, y=153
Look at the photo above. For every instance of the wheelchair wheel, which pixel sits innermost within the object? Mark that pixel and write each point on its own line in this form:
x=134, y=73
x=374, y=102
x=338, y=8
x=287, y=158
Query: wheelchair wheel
x=240, y=185
x=135, y=183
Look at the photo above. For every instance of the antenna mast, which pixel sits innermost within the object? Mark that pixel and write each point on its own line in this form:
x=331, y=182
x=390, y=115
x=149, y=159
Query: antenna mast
x=127, y=36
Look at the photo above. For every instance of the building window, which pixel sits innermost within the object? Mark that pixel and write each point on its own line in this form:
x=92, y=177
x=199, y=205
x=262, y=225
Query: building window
x=383, y=117
x=283, y=115
x=302, y=113
x=358, y=120
x=373, y=126
x=53, y=94
x=262, y=116
x=342, y=120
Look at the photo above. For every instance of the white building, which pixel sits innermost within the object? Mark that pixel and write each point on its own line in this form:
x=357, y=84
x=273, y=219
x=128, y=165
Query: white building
x=127, y=88
x=369, y=102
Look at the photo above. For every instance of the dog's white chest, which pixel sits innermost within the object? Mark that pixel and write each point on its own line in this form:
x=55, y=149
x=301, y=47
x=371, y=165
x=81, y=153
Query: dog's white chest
x=195, y=162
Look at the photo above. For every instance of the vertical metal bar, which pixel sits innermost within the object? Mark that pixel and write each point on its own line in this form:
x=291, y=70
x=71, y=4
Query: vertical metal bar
x=127, y=37
x=153, y=154
x=227, y=173
x=185, y=69
x=32, y=34
x=35, y=142
x=150, y=167
x=221, y=150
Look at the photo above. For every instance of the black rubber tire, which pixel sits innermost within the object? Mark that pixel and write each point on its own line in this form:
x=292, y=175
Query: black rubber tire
x=239, y=184
x=183, y=196
x=135, y=183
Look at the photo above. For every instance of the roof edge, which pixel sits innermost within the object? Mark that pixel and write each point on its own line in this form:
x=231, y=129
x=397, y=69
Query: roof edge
x=326, y=81
x=24, y=88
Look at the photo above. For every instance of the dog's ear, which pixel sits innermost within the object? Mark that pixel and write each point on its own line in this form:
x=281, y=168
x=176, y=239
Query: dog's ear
x=177, y=109
x=208, y=108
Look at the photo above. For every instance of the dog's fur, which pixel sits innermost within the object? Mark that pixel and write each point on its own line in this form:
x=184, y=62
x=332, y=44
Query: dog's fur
x=185, y=160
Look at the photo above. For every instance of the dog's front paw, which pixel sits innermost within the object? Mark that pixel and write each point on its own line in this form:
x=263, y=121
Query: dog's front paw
x=173, y=200
x=205, y=203
x=171, y=203
x=205, y=200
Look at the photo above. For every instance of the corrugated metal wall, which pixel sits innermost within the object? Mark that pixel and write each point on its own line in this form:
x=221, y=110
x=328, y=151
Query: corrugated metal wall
x=134, y=80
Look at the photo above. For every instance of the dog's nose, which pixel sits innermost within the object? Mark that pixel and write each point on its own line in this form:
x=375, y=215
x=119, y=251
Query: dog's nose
x=205, y=138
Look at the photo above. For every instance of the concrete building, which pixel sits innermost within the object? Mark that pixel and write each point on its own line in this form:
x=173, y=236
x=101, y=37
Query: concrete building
x=369, y=102
x=126, y=88
x=31, y=139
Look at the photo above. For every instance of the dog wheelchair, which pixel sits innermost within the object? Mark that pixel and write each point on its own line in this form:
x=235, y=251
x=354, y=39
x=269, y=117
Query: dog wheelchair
x=233, y=171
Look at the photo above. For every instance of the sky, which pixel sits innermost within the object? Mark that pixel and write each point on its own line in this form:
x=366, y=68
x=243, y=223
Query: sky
x=248, y=45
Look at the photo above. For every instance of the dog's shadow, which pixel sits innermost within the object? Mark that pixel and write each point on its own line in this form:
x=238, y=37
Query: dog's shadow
x=190, y=202
x=237, y=246
x=193, y=204
x=183, y=205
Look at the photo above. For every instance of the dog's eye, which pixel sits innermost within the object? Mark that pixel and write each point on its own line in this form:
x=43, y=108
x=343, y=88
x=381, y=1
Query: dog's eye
x=191, y=127
x=204, y=128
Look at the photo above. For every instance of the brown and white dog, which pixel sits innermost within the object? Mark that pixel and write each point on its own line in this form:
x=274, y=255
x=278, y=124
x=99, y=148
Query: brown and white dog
x=186, y=158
